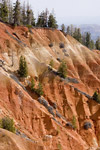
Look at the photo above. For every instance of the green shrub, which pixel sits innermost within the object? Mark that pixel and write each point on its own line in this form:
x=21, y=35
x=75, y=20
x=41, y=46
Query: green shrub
x=61, y=45
x=8, y=124
x=39, y=90
x=32, y=84
x=62, y=70
x=96, y=97
x=23, y=70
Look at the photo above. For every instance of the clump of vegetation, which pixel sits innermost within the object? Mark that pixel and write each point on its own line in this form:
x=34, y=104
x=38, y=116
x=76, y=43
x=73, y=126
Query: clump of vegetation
x=39, y=90
x=51, y=45
x=32, y=84
x=62, y=70
x=87, y=125
x=51, y=63
x=96, y=97
x=61, y=45
x=74, y=122
x=8, y=124
x=23, y=70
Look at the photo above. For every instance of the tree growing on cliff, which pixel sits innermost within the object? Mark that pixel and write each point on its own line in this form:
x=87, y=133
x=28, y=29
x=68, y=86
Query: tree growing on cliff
x=28, y=15
x=39, y=90
x=92, y=45
x=62, y=70
x=52, y=23
x=23, y=70
x=79, y=36
x=88, y=39
x=63, y=28
x=97, y=44
x=40, y=20
x=17, y=13
x=32, y=84
x=23, y=13
x=68, y=30
x=10, y=10
x=32, y=19
x=4, y=11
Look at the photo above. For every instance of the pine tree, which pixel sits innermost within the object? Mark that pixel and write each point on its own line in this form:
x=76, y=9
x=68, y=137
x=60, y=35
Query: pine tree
x=46, y=13
x=97, y=44
x=29, y=15
x=4, y=11
x=84, y=38
x=10, y=16
x=33, y=19
x=68, y=30
x=92, y=45
x=62, y=70
x=40, y=21
x=71, y=30
x=43, y=19
x=52, y=23
x=23, y=70
x=17, y=12
x=88, y=39
x=79, y=36
x=63, y=28
x=24, y=14
x=75, y=33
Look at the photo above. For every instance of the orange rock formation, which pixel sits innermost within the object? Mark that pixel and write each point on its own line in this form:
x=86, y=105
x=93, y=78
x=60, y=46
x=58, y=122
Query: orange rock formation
x=33, y=119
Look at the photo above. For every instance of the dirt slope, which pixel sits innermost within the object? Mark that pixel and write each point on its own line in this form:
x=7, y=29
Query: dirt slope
x=11, y=141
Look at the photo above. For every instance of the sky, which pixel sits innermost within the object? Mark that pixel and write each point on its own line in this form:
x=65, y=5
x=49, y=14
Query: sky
x=69, y=11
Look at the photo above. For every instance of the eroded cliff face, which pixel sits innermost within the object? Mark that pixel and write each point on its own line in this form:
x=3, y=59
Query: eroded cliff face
x=48, y=129
x=34, y=120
